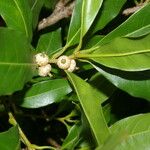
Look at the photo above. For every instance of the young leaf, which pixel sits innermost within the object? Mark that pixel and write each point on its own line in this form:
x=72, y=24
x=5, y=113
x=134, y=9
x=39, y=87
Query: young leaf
x=50, y=43
x=17, y=15
x=10, y=139
x=90, y=100
x=130, y=25
x=45, y=93
x=16, y=61
x=90, y=8
x=134, y=84
x=124, y=54
x=110, y=9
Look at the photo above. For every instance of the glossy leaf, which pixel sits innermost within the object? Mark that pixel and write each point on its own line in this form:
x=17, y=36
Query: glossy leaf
x=130, y=25
x=136, y=84
x=129, y=133
x=110, y=9
x=16, y=66
x=135, y=142
x=45, y=93
x=140, y=32
x=10, y=139
x=17, y=15
x=124, y=54
x=114, y=140
x=132, y=125
x=137, y=128
x=102, y=85
x=50, y=43
x=75, y=25
x=72, y=138
x=124, y=142
x=90, y=100
x=90, y=9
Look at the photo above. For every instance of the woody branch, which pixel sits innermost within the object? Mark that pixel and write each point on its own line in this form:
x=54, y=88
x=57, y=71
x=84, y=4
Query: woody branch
x=63, y=9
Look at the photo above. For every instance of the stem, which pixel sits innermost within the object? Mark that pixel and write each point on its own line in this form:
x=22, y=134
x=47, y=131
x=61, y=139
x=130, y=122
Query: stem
x=43, y=147
x=24, y=138
x=67, y=118
x=90, y=50
x=60, y=52
x=78, y=47
x=52, y=61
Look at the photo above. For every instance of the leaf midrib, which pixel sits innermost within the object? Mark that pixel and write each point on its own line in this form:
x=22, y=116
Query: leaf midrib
x=97, y=55
x=17, y=64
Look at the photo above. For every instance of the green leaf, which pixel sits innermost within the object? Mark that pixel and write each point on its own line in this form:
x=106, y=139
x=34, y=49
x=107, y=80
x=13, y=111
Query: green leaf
x=36, y=8
x=92, y=41
x=140, y=32
x=138, y=141
x=113, y=140
x=136, y=84
x=137, y=128
x=110, y=9
x=50, y=43
x=10, y=139
x=130, y=25
x=132, y=125
x=124, y=54
x=99, y=82
x=45, y=93
x=131, y=133
x=123, y=142
x=16, y=66
x=82, y=18
x=72, y=138
x=90, y=100
x=107, y=112
x=90, y=8
x=17, y=15
x=75, y=25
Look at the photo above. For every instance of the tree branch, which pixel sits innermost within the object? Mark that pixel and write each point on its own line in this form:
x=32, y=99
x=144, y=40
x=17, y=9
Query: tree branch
x=132, y=10
x=62, y=10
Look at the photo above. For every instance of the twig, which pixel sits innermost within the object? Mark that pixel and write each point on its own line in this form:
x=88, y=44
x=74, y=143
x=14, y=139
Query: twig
x=62, y=10
x=53, y=143
x=23, y=137
x=132, y=10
